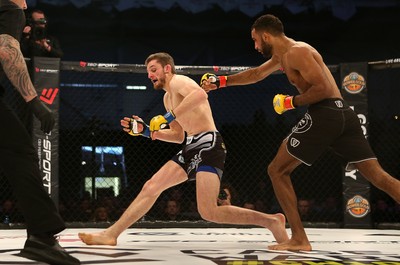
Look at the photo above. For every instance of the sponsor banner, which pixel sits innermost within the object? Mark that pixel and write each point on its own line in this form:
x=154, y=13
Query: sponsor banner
x=356, y=189
x=141, y=68
x=46, y=77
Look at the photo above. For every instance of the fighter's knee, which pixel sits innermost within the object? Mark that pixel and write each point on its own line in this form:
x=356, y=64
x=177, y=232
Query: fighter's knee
x=151, y=188
x=277, y=171
x=272, y=170
x=206, y=213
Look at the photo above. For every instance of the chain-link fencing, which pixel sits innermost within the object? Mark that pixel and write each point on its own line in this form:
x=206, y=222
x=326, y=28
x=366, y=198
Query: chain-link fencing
x=102, y=169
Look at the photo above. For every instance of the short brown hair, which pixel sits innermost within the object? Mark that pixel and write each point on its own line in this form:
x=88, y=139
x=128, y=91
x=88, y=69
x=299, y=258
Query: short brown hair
x=269, y=23
x=163, y=58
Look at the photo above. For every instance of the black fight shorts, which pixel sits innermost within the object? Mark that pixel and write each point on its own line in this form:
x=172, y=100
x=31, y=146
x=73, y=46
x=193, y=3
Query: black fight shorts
x=203, y=152
x=330, y=123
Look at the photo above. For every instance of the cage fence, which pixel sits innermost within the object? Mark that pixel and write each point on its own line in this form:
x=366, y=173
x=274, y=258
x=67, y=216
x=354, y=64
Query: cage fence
x=102, y=169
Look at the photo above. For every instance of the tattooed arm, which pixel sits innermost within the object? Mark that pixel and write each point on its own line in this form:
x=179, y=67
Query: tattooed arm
x=14, y=66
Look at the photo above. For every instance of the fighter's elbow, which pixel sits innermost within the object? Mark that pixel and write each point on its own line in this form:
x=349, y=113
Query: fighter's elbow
x=201, y=95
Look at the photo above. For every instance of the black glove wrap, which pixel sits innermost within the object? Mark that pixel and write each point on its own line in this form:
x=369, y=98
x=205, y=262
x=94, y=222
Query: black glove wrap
x=43, y=114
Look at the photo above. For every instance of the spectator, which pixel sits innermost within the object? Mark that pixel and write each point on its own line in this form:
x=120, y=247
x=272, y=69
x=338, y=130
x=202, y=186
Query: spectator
x=9, y=213
x=249, y=205
x=157, y=211
x=172, y=211
x=306, y=210
x=331, y=210
x=191, y=212
x=109, y=202
x=261, y=205
x=36, y=41
x=182, y=198
x=227, y=195
x=100, y=214
x=176, y=194
x=84, y=212
x=64, y=211
x=381, y=212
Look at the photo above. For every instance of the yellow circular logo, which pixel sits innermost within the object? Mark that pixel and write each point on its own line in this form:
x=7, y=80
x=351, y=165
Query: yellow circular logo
x=353, y=83
x=358, y=206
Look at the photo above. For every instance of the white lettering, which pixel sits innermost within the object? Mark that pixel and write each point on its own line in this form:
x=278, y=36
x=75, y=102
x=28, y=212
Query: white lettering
x=47, y=176
x=107, y=65
x=46, y=164
x=363, y=122
x=351, y=174
x=47, y=155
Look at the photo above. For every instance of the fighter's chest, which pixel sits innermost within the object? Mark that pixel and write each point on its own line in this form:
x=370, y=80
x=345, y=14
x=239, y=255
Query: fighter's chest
x=173, y=100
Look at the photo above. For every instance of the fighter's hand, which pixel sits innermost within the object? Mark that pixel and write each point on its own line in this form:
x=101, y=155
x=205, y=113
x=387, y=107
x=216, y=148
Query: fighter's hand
x=43, y=114
x=211, y=82
x=159, y=121
x=283, y=103
x=135, y=126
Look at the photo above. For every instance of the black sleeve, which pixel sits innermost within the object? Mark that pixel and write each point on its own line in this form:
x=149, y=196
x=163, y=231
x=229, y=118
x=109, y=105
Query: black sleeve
x=56, y=50
x=25, y=46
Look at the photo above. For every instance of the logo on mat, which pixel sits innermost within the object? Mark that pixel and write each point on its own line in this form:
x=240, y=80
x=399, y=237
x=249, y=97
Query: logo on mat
x=303, y=125
x=353, y=83
x=48, y=95
x=358, y=206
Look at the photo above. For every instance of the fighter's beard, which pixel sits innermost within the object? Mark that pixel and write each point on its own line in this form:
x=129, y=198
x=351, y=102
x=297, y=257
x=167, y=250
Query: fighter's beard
x=160, y=84
x=266, y=50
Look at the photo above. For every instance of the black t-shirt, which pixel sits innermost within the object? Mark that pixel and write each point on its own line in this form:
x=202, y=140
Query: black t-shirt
x=12, y=19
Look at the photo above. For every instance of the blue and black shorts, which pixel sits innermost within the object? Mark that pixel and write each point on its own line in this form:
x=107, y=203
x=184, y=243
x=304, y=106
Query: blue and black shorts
x=203, y=152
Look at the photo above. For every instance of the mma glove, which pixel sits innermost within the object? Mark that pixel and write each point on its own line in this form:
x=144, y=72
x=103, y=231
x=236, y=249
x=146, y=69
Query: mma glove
x=158, y=121
x=134, y=128
x=283, y=103
x=219, y=81
x=43, y=114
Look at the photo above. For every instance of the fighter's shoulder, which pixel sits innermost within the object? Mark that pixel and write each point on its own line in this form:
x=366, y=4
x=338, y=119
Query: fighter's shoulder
x=300, y=47
x=180, y=77
x=179, y=80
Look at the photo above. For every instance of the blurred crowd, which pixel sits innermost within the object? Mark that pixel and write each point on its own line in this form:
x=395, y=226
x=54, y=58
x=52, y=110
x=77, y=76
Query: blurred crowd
x=177, y=204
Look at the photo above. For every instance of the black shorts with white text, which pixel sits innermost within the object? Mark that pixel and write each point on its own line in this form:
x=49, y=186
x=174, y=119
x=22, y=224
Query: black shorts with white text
x=330, y=123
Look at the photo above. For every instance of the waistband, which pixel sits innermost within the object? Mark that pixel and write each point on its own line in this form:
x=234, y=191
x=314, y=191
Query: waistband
x=189, y=139
x=333, y=103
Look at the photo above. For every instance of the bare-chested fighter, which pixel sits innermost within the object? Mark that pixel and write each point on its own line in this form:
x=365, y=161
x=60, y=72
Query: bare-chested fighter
x=201, y=159
x=329, y=122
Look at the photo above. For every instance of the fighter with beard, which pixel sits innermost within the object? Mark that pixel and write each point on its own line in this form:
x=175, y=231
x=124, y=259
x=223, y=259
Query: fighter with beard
x=202, y=157
x=329, y=122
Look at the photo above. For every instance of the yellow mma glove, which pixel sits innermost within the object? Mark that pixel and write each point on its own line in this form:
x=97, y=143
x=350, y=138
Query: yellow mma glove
x=283, y=103
x=158, y=121
x=219, y=81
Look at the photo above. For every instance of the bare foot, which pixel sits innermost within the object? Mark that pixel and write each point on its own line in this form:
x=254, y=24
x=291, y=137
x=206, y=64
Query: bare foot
x=292, y=245
x=97, y=239
x=278, y=228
